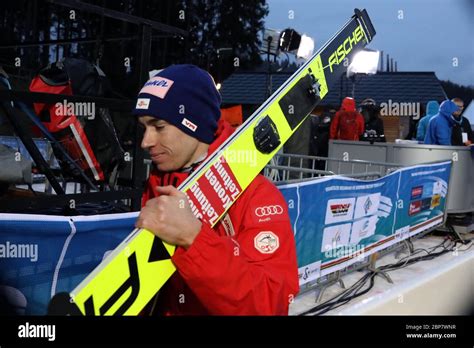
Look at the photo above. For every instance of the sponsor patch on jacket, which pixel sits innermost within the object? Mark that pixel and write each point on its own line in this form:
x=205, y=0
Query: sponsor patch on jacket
x=228, y=225
x=157, y=86
x=266, y=242
x=271, y=212
x=143, y=103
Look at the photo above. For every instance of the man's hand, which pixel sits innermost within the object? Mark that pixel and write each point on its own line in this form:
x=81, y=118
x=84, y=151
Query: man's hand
x=170, y=218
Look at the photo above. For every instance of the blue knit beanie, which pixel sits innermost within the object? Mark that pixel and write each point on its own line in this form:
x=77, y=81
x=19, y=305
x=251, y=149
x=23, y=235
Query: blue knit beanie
x=185, y=96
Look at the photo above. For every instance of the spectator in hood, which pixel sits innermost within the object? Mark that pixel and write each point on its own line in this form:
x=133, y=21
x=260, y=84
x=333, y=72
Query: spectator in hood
x=347, y=124
x=432, y=108
x=462, y=132
x=441, y=125
x=374, y=130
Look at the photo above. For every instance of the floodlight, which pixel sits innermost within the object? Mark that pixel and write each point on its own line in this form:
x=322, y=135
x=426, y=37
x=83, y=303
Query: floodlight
x=364, y=62
x=306, y=47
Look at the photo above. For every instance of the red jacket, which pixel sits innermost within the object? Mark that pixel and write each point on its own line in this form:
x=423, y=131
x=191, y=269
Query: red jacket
x=347, y=124
x=245, y=265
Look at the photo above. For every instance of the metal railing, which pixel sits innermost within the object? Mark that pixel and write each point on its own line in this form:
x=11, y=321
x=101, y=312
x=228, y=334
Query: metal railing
x=293, y=167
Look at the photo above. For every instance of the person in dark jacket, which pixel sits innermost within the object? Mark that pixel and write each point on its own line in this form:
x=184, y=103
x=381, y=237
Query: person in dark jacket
x=441, y=125
x=462, y=132
x=319, y=145
x=374, y=130
x=320, y=133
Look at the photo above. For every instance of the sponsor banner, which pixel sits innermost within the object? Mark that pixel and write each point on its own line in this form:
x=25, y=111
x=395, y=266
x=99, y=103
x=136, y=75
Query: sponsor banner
x=293, y=205
x=402, y=233
x=416, y=192
x=435, y=201
x=426, y=204
x=434, y=179
x=42, y=255
x=338, y=210
x=427, y=190
x=350, y=219
x=335, y=236
x=62, y=251
x=309, y=272
x=367, y=205
x=437, y=188
x=362, y=229
x=415, y=207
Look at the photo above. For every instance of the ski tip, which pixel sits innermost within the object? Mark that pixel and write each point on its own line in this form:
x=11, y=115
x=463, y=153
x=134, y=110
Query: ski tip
x=63, y=304
x=368, y=26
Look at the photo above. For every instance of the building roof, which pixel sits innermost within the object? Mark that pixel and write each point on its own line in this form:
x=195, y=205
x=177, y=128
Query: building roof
x=250, y=88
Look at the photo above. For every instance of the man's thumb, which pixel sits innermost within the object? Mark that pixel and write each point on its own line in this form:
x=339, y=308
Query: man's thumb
x=167, y=190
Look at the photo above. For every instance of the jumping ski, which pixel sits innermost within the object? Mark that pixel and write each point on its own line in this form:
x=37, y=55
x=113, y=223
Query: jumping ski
x=136, y=270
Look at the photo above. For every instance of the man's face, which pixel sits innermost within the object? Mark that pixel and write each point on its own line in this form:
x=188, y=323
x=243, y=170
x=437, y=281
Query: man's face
x=170, y=149
x=460, y=105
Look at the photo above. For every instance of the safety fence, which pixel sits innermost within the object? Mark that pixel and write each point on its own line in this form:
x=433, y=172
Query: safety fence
x=338, y=221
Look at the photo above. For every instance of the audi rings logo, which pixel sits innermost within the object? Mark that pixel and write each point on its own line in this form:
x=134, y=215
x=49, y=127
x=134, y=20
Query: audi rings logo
x=269, y=210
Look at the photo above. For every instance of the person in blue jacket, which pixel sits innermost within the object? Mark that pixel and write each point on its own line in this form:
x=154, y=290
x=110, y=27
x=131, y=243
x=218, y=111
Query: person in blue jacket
x=441, y=125
x=432, y=108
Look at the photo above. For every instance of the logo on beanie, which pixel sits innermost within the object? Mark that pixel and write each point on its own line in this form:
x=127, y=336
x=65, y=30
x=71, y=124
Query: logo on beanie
x=157, y=86
x=188, y=124
x=143, y=103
